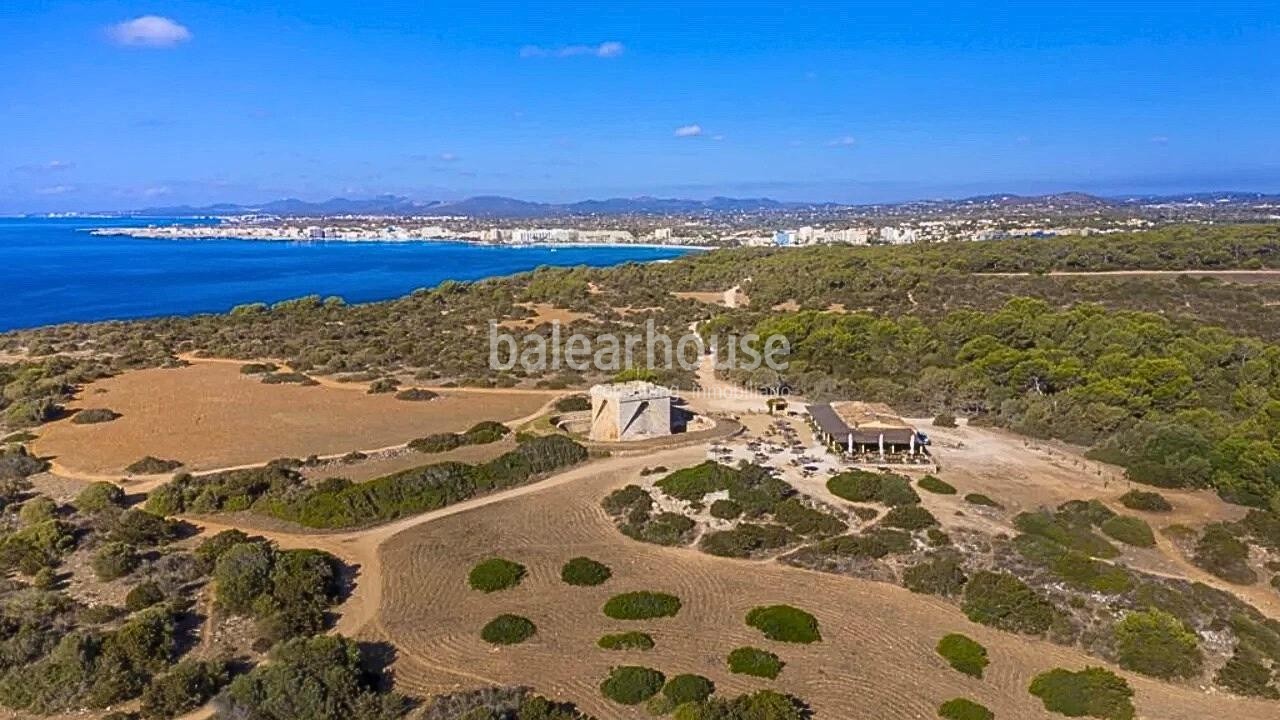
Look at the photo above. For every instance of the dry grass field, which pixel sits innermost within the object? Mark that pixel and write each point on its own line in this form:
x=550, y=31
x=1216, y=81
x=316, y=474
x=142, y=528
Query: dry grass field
x=208, y=415
x=876, y=658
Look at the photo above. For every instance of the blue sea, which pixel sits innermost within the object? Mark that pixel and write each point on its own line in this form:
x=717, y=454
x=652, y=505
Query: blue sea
x=54, y=271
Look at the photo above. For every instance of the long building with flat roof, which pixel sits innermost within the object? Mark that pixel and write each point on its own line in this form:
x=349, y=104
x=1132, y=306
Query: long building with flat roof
x=860, y=428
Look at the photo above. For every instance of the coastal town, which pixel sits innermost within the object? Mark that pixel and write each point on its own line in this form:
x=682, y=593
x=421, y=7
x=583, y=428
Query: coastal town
x=727, y=223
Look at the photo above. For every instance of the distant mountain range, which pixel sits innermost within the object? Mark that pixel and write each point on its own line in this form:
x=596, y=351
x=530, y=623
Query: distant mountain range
x=506, y=207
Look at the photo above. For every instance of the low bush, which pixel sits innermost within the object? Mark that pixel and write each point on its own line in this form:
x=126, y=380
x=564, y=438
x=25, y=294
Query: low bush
x=115, y=560
x=1130, y=531
x=759, y=705
x=152, y=466
x=1092, y=692
x=495, y=574
x=437, y=443
x=755, y=662
x=573, y=403
x=282, y=378
x=725, y=509
x=1156, y=643
x=627, y=500
x=667, y=528
x=508, y=630
x=93, y=416
x=626, y=641
x=936, y=485
x=642, y=605
x=785, y=623
x=258, y=368
x=631, y=684
x=286, y=592
x=862, y=486
x=1246, y=673
x=745, y=540
x=1068, y=530
x=963, y=709
x=963, y=654
x=908, y=517
x=941, y=574
x=317, y=678
x=693, y=483
x=585, y=572
x=143, y=596
x=382, y=386
x=99, y=496
x=982, y=500
x=688, y=688
x=37, y=510
x=944, y=420
x=416, y=395
x=804, y=520
x=1005, y=602
x=1145, y=501
x=185, y=687
x=1220, y=552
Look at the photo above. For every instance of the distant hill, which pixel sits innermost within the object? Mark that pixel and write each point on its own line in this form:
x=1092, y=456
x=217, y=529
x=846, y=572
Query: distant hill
x=498, y=206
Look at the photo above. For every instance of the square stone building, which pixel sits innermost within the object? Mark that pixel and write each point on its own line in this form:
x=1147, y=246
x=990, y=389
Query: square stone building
x=630, y=411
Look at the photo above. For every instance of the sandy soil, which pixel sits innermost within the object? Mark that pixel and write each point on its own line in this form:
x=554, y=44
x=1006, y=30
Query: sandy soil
x=876, y=659
x=544, y=313
x=208, y=415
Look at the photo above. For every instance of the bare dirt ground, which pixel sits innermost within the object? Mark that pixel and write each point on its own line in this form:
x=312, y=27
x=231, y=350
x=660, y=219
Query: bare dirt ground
x=208, y=415
x=544, y=313
x=876, y=658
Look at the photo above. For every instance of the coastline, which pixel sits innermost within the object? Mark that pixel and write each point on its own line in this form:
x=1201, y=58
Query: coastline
x=143, y=234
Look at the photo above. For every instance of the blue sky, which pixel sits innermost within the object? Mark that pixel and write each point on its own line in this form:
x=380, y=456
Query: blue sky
x=858, y=102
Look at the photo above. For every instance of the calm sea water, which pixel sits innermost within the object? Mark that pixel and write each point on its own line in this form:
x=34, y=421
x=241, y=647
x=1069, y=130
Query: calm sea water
x=54, y=271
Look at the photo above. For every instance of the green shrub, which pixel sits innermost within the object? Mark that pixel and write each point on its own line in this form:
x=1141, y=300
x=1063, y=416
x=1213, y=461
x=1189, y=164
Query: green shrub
x=785, y=624
x=439, y=442
x=962, y=709
x=862, y=486
x=1220, y=552
x=1145, y=501
x=483, y=433
x=185, y=687
x=642, y=605
x=627, y=500
x=983, y=500
x=115, y=560
x=1005, y=602
x=759, y=705
x=1092, y=692
x=143, y=596
x=1156, y=643
x=37, y=510
x=1129, y=530
x=93, y=416
x=963, y=654
x=626, y=641
x=99, y=496
x=416, y=395
x=495, y=574
x=944, y=420
x=804, y=520
x=632, y=685
x=258, y=368
x=725, y=509
x=573, y=403
x=1245, y=673
x=152, y=466
x=508, y=630
x=383, y=385
x=585, y=572
x=936, y=485
x=692, y=483
x=909, y=517
x=941, y=574
x=755, y=662
x=332, y=671
x=688, y=688
x=1068, y=530
x=745, y=540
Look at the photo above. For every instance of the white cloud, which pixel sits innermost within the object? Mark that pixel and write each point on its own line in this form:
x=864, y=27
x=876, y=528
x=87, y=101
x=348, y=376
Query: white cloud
x=689, y=131
x=55, y=190
x=149, y=31
x=449, y=157
x=52, y=166
x=845, y=141
x=608, y=49
x=1160, y=139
